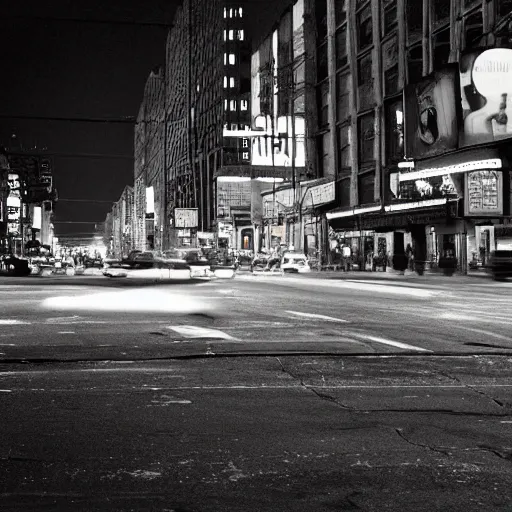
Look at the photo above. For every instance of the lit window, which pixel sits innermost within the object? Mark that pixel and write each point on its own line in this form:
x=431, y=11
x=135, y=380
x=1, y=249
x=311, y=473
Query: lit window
x=245, y=155
x=245, y=143
x=240, y=12
x=240, y=35
x=225, y=59
x=243, y=105
x=234, y=127
x=231, y=35
x=231, y=82
x=225, y=104
x=231, y=58
x=225, y=82
x=225, y=13
x=233, y=105
x=230, y=13
x=225, y=35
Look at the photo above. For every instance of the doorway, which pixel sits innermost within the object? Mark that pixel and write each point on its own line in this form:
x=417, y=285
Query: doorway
x=247, y=238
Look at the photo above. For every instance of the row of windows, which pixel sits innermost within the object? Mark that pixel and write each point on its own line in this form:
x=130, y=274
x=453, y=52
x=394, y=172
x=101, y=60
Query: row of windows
x=233, y=35
x=229, y=81
x=232, y=105
x=236, y=12
x=229, y=59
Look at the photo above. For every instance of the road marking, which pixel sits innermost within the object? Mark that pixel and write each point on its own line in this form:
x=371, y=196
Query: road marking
x=66, y=332
x=11, y=321
x=192, y=331
x=482, y=331
x=320, y=317
x=384, y=341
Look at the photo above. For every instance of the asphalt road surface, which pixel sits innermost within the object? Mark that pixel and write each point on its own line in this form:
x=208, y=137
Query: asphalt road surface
x=256, y=394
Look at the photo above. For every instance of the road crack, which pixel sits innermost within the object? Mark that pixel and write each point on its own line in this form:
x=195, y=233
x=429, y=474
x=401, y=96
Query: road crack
x=420, y=445
x=319, y=394
x=475, y=390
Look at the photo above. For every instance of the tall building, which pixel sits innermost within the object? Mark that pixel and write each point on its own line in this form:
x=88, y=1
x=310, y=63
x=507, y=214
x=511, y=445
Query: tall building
x=149, y=154
x=414, y=109
x=193, y=104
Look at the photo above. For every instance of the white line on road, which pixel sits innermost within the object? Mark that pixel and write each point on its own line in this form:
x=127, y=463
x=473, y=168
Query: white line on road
x=11, y=321
x=320, y=317
x=384, y=341
x=192, y=331
x=66, y=332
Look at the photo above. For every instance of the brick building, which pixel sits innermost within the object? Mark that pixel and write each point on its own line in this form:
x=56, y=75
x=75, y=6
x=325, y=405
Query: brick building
x=412, y=172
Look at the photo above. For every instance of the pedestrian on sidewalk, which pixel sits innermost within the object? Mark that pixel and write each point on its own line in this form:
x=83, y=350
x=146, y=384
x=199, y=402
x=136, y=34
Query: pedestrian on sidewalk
x=347, y=254
x=410, y=256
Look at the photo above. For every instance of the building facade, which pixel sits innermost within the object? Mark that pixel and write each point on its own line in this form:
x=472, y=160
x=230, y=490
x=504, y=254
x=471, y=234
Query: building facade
x=193, y=118
x=149, y=156
x=121, y=220
x=417, y=156
x=27, y=200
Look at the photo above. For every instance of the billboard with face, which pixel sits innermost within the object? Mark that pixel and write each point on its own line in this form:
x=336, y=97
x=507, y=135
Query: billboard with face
x=486, y=93
x=431, y=114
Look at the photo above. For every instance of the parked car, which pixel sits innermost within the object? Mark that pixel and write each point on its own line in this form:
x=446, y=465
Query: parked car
x=295, y=262
x=194, y=258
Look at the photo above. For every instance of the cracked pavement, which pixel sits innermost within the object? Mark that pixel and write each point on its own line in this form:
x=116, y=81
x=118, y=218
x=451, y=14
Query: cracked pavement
x=271, y=398
x=258, y=434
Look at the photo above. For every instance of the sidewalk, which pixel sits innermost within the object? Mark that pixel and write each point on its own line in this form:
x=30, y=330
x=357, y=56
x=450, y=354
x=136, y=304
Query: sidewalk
x=408, y=277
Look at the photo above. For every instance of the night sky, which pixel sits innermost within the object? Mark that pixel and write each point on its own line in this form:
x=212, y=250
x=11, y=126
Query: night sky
x=76, y=68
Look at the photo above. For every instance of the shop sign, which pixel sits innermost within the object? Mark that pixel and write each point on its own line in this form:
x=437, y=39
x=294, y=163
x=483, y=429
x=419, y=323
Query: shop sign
x=205, y=235
x=183, y=233
x=486, y=92
x=277, y=231
x=322, y=194
x=405, y=219
x=185, y=217
x=484, y=193
x=224, y=229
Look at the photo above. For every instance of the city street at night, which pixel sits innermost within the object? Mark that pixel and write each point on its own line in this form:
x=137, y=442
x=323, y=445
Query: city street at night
x=332, y=392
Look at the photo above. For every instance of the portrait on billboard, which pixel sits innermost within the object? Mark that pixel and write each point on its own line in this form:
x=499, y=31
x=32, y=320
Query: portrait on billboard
x=484, y=193
x=486, y=95
x=431, y=114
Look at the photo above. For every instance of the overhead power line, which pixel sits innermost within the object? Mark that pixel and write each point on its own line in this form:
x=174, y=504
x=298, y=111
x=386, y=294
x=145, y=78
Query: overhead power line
x=84, y=201
x=91, y=21
x=113, y=120
x=88, y=155
x=78, y=221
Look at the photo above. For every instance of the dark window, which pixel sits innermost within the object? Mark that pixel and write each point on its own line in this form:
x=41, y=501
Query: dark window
x=342, y=96
x=394, y=121
x=344, y=150
x=340, y=11
x=441, y=11
x=365, y=91
x=323, y=104
x=414, y=14
x=322, y=62
x=366, y=136
x=321, y=19
x=391, y=81
x=343, y=192
x=415, y=64
x=323, y=154
x=473, y=29
x=364, y=27
x=365, y=185
x=504, y=7
x=441, y=48
x=364, y=69
x=341, y=47
x=390, y=17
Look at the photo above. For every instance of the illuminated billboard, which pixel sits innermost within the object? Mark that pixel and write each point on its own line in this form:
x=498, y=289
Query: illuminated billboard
x=431, y=114
x=486, y=91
